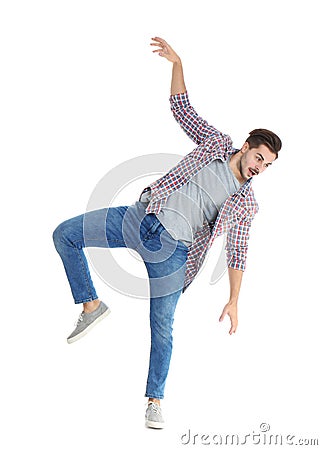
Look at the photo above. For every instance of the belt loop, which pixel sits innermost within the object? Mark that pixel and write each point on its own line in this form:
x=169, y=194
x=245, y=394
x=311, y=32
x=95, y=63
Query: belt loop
x=155, y=225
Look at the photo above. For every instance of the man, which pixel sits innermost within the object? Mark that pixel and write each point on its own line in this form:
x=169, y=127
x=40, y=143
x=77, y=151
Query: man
x=172, y=227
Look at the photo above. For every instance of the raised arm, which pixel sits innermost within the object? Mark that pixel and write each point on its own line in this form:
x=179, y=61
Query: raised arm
x=165, y=50
x=192, y=124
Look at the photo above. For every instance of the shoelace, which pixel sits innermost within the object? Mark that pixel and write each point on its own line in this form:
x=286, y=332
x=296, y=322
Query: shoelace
x=80, y=319
x=155, y=407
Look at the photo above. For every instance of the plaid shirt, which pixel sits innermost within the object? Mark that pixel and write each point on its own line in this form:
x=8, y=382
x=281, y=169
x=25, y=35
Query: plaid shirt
x=235, y=215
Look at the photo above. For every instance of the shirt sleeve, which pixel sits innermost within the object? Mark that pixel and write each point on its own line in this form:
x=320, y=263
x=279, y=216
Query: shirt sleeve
x=192, y=124
x=237, y=245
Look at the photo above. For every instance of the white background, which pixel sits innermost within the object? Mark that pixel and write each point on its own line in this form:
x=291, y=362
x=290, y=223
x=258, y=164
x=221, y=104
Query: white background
x=81, y=92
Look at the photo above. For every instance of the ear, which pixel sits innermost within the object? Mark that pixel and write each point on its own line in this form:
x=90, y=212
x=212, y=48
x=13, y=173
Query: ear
x=245, y=147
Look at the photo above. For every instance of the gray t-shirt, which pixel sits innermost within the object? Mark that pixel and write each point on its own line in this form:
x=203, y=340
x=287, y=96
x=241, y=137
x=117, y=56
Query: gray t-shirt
x=199, y=200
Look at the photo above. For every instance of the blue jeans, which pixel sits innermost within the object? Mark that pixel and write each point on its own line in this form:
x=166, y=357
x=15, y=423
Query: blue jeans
x=164, y=258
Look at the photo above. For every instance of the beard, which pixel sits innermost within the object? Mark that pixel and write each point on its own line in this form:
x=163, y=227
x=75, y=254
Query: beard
x=243, y=169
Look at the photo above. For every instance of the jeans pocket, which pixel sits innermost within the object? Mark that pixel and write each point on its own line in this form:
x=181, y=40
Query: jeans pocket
x=183, y=246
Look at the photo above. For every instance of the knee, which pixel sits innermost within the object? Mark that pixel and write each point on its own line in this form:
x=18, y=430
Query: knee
x=69, y=233
x=60, y=235
x=57, y=236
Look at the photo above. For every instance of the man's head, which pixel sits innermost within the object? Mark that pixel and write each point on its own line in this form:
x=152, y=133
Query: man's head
x=258, y=152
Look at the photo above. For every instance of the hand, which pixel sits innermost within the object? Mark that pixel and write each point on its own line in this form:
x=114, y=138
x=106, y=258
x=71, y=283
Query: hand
x=231, y=310
x=165, y=50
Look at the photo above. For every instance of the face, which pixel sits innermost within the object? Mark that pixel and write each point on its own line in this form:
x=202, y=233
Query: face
x=254, y=160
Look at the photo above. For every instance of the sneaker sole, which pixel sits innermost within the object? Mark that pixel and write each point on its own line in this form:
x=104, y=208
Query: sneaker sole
x=92, y=325
x=150, y=424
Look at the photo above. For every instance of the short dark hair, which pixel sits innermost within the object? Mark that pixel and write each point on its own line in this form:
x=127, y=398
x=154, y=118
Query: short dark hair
x=265, y=137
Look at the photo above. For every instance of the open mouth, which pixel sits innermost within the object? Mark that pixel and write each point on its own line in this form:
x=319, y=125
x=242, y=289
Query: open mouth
x=253, y=172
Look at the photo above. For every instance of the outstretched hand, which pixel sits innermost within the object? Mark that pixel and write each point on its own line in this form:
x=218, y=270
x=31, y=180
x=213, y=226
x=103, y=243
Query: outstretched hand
x=164, y=50
x=230, y=310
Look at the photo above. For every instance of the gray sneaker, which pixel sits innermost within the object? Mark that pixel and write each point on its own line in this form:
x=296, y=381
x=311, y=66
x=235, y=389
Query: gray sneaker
x=153, y=416
x=87, y=321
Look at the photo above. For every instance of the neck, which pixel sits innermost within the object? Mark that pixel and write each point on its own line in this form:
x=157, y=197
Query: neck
x=235, y=165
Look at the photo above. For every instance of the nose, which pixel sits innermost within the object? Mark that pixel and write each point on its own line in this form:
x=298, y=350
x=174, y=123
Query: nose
x=260, y=167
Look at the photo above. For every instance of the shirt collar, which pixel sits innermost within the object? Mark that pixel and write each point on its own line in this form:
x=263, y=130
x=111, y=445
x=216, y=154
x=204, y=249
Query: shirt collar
x=245, y=188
